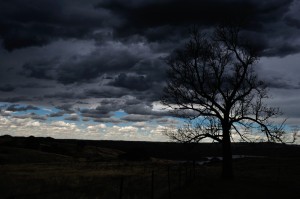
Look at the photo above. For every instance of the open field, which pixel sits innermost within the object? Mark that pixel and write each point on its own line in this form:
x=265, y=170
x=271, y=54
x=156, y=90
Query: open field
x=79, y=169
x=254, y=178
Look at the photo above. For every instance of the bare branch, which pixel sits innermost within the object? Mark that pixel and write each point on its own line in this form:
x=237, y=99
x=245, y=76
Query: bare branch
x=213, y=79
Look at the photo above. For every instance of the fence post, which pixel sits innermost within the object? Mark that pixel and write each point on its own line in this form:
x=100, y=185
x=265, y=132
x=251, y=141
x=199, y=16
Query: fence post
x=191, y=173
x=186, y=173
x=169, y=182
x=278, y=169
x=152, y=184
x=179, y=176
x=121, y=187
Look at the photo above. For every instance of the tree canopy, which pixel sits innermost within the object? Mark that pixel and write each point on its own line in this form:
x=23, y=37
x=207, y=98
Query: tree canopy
x=213, y=80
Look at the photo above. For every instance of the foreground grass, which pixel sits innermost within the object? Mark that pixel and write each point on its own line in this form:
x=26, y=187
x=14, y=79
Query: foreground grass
x=83, y=180
x=255, y=178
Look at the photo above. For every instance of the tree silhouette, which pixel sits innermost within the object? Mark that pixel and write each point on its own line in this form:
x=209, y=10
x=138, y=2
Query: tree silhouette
x=212, y=81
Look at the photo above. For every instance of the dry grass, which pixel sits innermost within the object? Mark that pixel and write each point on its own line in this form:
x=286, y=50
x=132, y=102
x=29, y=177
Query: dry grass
x=78, y=180
x=77, y=169
x=255, y=178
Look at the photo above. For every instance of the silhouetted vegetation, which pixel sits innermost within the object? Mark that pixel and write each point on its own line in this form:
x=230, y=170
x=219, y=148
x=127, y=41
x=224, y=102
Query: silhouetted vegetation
x=115, y=169
x=212, y=82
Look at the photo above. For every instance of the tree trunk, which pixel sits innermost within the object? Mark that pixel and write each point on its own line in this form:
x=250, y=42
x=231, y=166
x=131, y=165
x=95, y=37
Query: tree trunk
x=227, y=170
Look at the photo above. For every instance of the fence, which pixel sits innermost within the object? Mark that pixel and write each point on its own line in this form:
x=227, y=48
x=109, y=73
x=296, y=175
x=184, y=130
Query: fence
x=119, y=180
x=158, y=180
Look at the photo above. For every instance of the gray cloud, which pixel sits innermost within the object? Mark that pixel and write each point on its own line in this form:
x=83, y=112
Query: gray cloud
x=65, y=95
x=280, y=83
x=93, y=66
x=136, y=109
x=41, y=69
x=67, y=108
x=57, y=114
x=118, y=19
x=144, y=109
x=72, y=118
x=48, y=19
x=15, y=99
x=33, y=116
x=264, y=18
x=106, y=60
x=3, y=113
x=99, y=112
x=16, y=108
x=133, y=82
x=85, y=119
x=110, y=53
x=105, y=92
x=138, y=118
x=34, y=85
x=168, y=121
x=108, y=120
x=7, y=88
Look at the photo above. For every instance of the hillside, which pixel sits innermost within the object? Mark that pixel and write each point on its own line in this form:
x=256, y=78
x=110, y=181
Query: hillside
x=35, y=149
x=32, y=167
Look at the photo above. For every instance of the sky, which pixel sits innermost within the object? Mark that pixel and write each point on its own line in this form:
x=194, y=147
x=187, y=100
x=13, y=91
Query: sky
x=95, y=69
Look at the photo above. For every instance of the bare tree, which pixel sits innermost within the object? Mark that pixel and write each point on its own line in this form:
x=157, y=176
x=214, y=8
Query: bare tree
x=212, y=79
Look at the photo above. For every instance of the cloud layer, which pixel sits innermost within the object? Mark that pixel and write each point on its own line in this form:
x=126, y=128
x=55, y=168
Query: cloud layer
x=87, y=60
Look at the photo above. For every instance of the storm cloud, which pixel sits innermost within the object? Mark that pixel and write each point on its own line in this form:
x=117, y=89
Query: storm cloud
x=87, y=60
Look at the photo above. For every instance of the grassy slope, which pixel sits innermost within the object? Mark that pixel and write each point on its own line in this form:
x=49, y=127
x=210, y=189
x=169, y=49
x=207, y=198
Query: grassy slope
x=49, y=168
x=256, y=178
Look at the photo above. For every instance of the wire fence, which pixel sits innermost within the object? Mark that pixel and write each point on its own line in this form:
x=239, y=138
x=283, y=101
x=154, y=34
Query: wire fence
x=123, y=180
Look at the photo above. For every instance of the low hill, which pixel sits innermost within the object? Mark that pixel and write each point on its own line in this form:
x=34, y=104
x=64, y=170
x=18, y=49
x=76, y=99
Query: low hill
x=37, y=149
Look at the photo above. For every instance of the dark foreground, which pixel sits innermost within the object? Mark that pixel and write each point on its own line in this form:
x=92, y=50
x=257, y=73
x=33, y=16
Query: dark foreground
x=49, y=168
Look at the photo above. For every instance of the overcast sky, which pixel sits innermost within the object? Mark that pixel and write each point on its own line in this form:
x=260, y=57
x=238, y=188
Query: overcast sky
x=94, y=69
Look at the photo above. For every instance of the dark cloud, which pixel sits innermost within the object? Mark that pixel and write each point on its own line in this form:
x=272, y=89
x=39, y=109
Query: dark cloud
x=178, y=12
x=81, y=102
x=173, y=17
x=7, y=88
x=65, y=95
x=36, y=23
x=106, y=92
x=15, y=99
x=67, y=108
x=42, y=69
x=72, y=118
x=146, y=75
x=136, y=109
x=99, y=112
x=108, y=106
x=108, y=120
x=167, y=121
x=132, y=82
x=22, y=38
x=107, y=59
x=83, y=94
x=119, y=63
x=280, y=83
x=85, y=119
x=292, y=21
x=138, y=118
x=34, y=85
x=57, y=114
x=16, y=108
x=38, y=117
x=33, y=116
x=185, y=12
x=144, y=109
